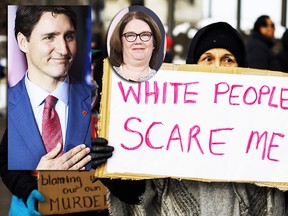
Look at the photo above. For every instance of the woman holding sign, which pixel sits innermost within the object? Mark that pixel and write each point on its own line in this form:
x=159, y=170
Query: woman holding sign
x=217, y=44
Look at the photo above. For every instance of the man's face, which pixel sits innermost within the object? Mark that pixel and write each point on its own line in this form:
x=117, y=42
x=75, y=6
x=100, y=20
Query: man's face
x=51, y=48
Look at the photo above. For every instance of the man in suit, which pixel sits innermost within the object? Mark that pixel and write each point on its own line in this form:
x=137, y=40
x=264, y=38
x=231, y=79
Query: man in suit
x=47, y=36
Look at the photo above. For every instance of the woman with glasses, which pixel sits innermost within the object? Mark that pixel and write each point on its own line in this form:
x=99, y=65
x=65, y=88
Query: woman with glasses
x=134, y=46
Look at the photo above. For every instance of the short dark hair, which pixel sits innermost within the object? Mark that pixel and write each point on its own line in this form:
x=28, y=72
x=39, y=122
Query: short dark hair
x=261, y=21
x=116, y=55
x=28, y=16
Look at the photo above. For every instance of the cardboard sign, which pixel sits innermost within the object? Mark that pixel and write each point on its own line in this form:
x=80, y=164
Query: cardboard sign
x=193, y=122
x=70, y=191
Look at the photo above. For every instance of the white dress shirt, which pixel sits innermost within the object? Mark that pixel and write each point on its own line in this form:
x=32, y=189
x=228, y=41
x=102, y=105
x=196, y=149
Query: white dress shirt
x=37, y=97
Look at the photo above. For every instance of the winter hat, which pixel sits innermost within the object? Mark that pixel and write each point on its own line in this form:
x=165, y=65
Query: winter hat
x=217, y=35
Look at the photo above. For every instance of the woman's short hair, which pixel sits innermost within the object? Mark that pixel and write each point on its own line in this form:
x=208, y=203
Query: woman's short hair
x=116, y=54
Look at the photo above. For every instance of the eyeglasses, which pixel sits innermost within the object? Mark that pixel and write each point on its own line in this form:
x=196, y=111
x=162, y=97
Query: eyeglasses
x=132, y=36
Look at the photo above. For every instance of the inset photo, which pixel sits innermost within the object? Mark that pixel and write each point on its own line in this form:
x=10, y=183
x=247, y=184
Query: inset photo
x=136, y=43
x=49, y=97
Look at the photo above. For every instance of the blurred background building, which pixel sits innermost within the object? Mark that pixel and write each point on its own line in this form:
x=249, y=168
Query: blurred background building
x=181, y=19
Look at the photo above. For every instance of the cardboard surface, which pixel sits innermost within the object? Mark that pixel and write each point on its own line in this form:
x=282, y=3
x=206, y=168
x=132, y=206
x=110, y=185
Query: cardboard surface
x=70, y=191
x=237, y=110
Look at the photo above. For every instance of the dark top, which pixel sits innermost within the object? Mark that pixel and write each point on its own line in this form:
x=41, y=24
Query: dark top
x=283, y=54
x=260, y=52
x=20, y=183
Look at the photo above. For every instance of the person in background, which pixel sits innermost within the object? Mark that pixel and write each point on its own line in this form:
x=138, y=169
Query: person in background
x=217, y=44
x=134, y=45
x=260, y=45
x=283, y=54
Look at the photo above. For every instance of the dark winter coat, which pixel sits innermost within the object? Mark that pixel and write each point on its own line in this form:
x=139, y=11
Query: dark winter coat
x=260, y=53
x=283, y=54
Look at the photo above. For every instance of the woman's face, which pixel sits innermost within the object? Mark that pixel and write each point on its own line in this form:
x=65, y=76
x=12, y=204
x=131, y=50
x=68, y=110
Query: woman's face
x=137, y=52
x=218, y=57
x=269, y=29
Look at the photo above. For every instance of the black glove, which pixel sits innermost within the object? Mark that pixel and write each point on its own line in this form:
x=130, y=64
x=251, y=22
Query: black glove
x=100, y=151
x=128, y=191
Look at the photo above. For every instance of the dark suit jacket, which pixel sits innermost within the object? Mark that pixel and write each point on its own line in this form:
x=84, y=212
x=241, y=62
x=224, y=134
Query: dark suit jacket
x=25, y=145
